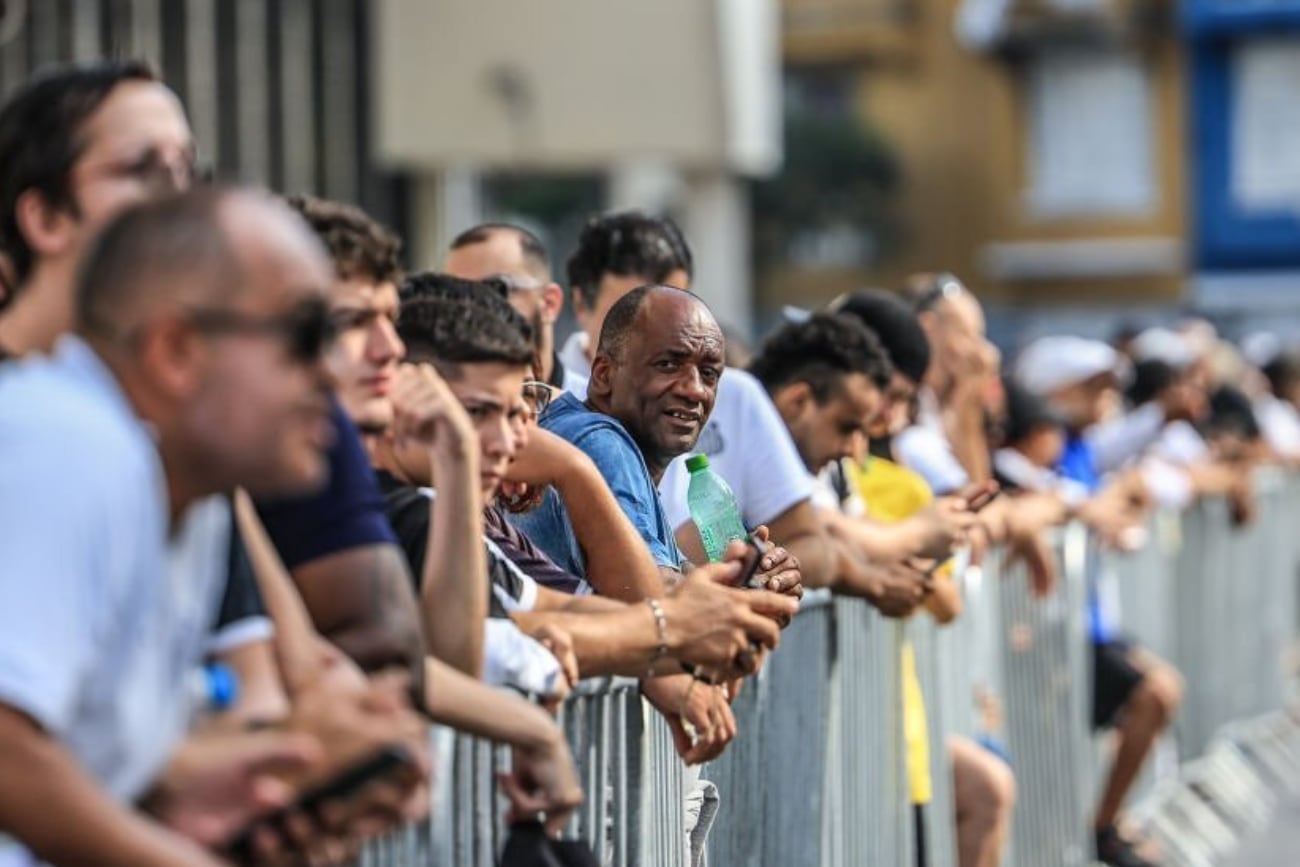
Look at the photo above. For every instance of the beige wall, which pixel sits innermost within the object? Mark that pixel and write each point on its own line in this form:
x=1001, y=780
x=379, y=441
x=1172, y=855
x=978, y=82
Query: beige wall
x=955, y=119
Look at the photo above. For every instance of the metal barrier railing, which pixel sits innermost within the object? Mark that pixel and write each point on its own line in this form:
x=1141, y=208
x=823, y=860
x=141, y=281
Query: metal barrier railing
x=817, y=776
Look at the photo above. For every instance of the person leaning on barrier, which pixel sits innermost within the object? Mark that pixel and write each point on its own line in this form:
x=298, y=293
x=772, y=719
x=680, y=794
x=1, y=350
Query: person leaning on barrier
x=196, y=367
x=652, y=388
x=484, y=358
x=364, y=361
x=743, y=437
x=363, y=301
x=948, y=443
x=1133, y=691
x=827, y=378
x=984, y=789
x=79, y=144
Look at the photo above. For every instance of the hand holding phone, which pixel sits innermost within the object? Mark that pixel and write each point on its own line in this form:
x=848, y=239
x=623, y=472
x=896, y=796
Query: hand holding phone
x=391, y=763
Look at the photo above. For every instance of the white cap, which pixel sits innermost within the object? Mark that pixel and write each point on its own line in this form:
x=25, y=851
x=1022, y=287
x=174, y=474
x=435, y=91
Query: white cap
x=1052, y=363
x=1261, y=348
x=1161, y=344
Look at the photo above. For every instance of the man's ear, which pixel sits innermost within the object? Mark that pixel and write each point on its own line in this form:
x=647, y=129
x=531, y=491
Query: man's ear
x=552, y=303
x=170, y=355
x=602, y=373
x=792, y=400
x=48, y=230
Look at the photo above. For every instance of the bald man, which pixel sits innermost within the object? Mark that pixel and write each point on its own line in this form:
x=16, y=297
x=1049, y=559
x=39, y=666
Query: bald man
x=653, y=385
x=518, y=258
x=196, y=367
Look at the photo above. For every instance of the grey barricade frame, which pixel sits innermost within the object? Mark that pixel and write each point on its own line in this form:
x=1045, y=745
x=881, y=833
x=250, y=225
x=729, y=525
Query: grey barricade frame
x=817, y=776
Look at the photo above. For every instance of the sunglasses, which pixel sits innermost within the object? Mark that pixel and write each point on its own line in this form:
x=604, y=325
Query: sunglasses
x=307, y=330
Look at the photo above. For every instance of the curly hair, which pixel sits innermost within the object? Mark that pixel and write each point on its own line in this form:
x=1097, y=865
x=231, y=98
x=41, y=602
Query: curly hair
x=628, y=244
x=358, y=245
x=821, y=352
x=451, y=329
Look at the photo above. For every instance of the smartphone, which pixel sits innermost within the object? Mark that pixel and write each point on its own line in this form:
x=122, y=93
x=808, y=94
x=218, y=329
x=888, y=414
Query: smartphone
x=390, y=762
x=754, y=550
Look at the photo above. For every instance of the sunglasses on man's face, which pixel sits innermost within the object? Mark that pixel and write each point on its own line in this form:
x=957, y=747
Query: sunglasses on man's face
x=307, y=330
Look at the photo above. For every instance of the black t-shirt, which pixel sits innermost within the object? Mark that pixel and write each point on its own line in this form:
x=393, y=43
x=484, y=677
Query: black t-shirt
x=242, y=617
x=408, y=510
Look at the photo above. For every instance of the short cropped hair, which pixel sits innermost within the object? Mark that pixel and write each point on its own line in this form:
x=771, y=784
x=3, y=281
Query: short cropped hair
x=41, y=140
x=627, y=244
x=178, y=241
x=452, y=322
x=894, y=322
x=821, y=352
x=533, y=248
x=359, y=246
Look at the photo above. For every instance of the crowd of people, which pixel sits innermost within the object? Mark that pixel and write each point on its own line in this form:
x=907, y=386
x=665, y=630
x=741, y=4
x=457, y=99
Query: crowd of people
x=270, y=504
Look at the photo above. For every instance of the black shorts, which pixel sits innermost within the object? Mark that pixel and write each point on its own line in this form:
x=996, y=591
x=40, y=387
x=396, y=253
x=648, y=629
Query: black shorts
x=1114, y=677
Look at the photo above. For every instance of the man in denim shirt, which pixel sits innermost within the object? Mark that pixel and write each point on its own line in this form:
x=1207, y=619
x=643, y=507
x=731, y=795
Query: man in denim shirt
x=654, y=382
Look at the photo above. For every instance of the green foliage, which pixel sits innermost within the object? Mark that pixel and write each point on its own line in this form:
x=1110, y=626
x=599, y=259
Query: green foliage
x=837, y=174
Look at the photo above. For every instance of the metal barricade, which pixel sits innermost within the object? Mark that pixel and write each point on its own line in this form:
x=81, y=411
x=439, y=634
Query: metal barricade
x=940, y=818
x=1236, y=607
x=817, y=776
x=770, y=779
x=1048, y=679
x=866, y=759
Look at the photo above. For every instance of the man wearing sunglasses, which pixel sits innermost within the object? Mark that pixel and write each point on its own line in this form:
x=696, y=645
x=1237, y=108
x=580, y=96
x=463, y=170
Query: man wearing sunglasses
x=195, y=368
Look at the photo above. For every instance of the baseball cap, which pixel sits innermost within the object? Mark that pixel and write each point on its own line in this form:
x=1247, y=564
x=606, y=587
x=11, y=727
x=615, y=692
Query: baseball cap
x=1052, y=363
x=1162, y=344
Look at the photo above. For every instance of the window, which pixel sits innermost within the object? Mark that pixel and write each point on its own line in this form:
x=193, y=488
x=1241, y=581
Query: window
x=1265, y=125
x=1090, y=137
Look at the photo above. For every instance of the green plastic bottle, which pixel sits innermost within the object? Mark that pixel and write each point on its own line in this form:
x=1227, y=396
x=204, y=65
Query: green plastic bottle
x=713, y=508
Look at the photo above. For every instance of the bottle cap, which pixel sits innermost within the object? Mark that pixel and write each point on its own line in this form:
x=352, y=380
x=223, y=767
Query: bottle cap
x=223, y=686
x=695, y=463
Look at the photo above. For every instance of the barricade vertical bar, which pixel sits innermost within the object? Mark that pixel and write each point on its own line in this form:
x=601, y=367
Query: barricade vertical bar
x=740, y=775
x=940, y=825
x=796, y=725
x=1048, y=685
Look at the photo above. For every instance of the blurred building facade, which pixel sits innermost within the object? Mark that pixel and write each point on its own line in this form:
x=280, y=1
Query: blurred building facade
x=1076, y=161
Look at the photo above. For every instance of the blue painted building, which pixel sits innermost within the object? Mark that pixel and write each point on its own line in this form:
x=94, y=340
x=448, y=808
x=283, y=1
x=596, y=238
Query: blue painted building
x=1244, y=152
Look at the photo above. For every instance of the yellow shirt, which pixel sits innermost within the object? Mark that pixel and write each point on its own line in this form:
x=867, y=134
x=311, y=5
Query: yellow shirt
x=892, y=493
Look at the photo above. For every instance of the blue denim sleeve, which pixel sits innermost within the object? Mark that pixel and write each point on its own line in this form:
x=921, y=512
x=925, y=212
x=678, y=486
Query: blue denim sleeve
x=618, y=460
x=549, y=529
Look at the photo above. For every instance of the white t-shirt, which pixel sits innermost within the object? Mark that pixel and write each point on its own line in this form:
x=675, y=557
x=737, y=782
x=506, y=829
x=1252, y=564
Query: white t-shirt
x=1118, y=441
x=924, y=448
x=1281, y=425
x=105, y=610
x=749, y=446
x=577, y=366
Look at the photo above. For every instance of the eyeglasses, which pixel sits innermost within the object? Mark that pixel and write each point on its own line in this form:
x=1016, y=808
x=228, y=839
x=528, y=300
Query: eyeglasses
x=538, y=395
x=518, y=285
x=157, y=173
x=307, y=330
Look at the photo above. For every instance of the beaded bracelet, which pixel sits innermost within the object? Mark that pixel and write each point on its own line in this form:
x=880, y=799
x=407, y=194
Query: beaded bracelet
x=661, y=625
